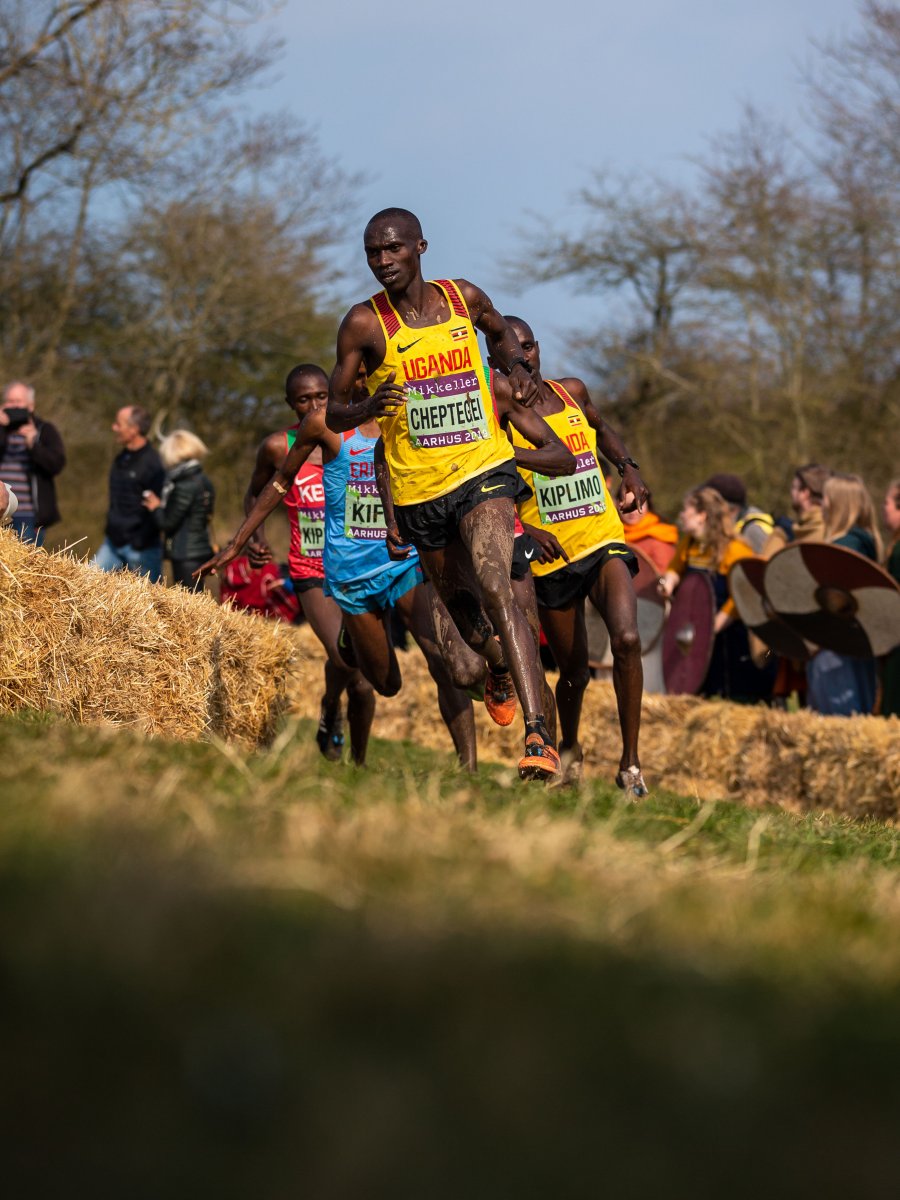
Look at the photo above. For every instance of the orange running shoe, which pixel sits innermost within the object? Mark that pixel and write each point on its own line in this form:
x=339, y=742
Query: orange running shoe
x=540, y=760
x=500, y=697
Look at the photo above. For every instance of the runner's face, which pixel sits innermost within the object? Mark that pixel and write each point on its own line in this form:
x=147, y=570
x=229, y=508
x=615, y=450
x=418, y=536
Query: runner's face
x=307, y=393
x=892, y=511
x=531, y=349
x=393, y=254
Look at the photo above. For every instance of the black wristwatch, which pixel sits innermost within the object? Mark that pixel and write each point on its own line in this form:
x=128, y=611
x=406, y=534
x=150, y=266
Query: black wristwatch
x=521, y=362
x=626, y=462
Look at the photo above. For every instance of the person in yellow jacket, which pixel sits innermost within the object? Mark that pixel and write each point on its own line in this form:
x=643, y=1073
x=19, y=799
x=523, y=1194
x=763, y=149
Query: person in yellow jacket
x=708, y=543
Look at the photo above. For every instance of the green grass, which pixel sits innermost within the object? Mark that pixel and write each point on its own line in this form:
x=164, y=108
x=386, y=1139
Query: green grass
x=264, y=975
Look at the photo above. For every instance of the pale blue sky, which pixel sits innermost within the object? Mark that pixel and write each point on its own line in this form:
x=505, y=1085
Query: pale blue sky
x=474, y=115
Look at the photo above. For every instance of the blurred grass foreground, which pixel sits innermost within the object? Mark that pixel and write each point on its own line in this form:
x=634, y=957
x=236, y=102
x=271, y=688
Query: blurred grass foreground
x=256, y=974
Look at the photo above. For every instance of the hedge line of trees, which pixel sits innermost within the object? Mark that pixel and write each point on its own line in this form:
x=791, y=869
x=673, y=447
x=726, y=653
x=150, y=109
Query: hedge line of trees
x=156, y=247
x=759, y=323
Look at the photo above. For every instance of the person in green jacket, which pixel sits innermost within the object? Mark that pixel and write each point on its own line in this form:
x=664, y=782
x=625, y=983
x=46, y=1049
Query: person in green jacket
x=184, y=509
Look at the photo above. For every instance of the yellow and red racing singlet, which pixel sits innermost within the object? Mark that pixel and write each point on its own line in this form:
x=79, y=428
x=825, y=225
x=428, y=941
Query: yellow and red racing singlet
x=577, y=508
x=447, y=432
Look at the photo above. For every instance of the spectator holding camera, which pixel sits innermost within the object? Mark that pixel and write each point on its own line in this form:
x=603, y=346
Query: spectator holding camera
x=132, y=541
x=31, y=456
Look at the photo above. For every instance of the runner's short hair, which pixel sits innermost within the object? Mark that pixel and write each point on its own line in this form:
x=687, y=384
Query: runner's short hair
x=398, y=214
x=303, y=369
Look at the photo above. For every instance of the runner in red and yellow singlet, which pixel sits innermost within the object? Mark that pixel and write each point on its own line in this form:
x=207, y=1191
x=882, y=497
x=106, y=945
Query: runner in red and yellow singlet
x=306, y=390
x=584, y=556
x=452, y=470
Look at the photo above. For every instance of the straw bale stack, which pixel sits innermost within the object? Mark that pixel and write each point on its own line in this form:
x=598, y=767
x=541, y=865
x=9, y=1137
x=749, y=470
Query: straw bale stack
x=711, y=749
x=94, y=647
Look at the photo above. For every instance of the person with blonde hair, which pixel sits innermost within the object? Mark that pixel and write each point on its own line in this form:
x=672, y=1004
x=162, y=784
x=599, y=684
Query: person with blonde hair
x=890, y=677
x=839, y=685
x=708, y=543
x=183, y=511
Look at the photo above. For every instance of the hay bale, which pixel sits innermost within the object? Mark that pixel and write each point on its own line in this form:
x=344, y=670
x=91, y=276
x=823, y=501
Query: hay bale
x=96, y=647
x=711, y=749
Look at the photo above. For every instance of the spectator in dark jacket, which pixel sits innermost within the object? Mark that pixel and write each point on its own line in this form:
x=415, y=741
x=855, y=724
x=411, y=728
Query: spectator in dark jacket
x=132, y=540
x=184, y=508
x=31, y=456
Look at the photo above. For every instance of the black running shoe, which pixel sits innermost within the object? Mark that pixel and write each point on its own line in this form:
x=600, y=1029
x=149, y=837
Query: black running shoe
x=330, y=734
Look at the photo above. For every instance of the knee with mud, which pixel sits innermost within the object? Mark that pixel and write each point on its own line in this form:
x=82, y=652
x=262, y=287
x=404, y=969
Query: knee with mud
x=469, y=617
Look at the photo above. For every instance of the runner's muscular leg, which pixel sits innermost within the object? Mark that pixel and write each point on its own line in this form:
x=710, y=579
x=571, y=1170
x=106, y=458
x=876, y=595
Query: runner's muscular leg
x=466, y=668
x=567, y=634
x=374, y=650
x=613, y=597
x=415, y=607
x=523, y=590
x=324, y=619
x=449, y=570
x=487, y=534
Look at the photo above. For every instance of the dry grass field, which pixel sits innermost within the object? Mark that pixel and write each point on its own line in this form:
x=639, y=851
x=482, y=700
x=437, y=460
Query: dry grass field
x=230, y=967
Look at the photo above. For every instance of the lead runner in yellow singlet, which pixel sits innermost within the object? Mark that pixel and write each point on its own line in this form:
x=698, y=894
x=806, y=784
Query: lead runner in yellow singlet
x=452, y=470
x=583, y=556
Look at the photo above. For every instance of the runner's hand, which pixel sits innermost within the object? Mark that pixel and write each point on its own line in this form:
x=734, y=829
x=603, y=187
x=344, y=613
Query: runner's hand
x=548, y=543
x=218, y=561
x=386, y=398
x=633, y=493
x=259, y=552
x=396, y=547
x=526, y=387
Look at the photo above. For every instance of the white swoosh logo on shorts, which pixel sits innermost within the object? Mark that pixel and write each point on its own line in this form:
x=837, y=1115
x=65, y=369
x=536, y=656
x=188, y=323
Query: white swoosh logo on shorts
x=529, y=554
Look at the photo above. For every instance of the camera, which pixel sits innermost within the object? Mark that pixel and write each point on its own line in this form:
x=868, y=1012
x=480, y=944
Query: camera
x=17, y=417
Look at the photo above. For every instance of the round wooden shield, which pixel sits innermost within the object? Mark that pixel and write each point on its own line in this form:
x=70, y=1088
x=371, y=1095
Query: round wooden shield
x=745, y=582
x=651, y=608
x=835, y=598
x=688, y=635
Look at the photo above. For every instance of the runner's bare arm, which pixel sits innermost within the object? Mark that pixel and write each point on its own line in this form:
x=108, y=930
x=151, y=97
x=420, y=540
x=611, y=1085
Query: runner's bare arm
x=396, y=547
x=360, y=340
x=503, y=345
x=550, y=455
x=271, y=495
x=268, y=456
x=611, y=447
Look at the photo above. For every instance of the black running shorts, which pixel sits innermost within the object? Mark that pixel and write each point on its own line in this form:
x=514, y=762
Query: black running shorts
x=525, y=550
x=433, y=524
x=306, y=584
x=573, y=582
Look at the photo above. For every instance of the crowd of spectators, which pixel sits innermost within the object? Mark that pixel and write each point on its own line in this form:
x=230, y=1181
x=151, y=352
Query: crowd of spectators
x=161, y=504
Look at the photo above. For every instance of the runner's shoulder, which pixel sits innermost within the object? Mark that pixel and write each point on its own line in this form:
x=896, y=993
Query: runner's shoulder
x=475, y=297
x=273, y=447
x=576, y=388
x=360, y=321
